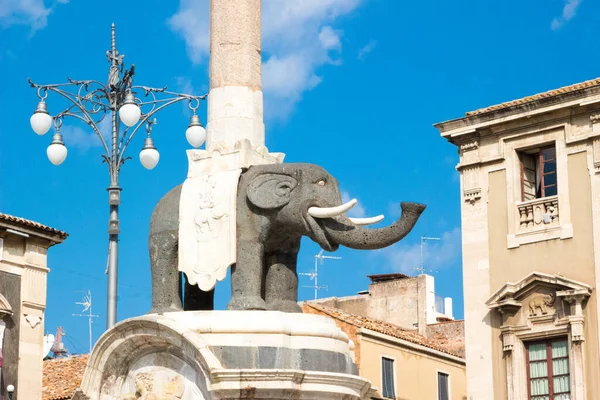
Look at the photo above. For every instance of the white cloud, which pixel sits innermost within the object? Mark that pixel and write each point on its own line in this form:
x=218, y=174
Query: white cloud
x=330, y=39
x=24, y=12
x=406, y=258
x=84, y=138
x=32, y=13
x=297, y=39
x=358, y=211
x=569, y=11
x=369, y=47
x=192, y=22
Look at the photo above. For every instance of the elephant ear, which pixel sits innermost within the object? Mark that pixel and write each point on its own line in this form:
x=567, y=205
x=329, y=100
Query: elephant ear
x=269, y=191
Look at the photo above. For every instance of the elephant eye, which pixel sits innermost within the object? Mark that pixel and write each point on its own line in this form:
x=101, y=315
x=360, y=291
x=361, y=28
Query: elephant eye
x=321, y=182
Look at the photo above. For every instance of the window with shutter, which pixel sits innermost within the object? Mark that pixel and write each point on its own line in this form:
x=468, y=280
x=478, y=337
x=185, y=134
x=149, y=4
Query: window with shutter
x=548, y=370
x=443, y=386
x=387, y=378
x=538, y=173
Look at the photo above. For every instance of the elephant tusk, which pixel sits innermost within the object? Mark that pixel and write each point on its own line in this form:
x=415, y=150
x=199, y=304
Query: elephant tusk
x=366, y=221
x=329, y=212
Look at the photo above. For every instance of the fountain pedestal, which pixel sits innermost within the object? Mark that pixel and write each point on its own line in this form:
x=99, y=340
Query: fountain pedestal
x=223, y=355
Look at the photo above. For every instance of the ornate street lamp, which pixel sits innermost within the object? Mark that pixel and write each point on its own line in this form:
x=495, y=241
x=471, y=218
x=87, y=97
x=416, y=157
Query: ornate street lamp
x=91, y=101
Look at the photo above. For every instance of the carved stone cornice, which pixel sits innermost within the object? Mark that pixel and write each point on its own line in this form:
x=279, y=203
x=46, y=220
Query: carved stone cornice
x=595, y=118
x=472, y=195
x=471, y=145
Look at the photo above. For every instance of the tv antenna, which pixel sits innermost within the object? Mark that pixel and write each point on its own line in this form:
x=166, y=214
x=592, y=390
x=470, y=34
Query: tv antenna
x=87, y=306
x=58, y=348
x=315, y=274
x=422, y=269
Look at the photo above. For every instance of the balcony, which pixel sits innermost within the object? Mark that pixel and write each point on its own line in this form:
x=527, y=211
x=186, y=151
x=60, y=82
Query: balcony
x=538, y=214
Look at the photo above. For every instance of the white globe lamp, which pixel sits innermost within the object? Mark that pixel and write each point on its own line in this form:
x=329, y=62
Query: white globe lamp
x=149, y=156
x=57, y=151
x=40, y=121
x=195, y=133
x=130, y=112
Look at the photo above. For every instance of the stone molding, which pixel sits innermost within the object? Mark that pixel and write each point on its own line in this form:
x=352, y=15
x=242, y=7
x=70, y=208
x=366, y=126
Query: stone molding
x=549, y=294
x=519, y=230
x=470, y=145
x=185, y=344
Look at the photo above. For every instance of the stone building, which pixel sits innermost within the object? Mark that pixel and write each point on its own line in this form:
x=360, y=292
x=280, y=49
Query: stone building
x=530, y=187
x=401, y=363
x=409, y=302
x=23, y=269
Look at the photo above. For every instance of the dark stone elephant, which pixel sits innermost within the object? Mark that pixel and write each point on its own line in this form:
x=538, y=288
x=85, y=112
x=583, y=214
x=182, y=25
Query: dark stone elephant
x=277, y=204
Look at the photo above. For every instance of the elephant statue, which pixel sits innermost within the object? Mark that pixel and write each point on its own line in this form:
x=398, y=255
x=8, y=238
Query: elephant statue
x=541, y=301
x=277, y=204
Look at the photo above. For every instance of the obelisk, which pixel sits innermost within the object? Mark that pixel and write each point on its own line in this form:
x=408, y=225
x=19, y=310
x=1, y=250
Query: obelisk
x=235, y=101
x=235, y=140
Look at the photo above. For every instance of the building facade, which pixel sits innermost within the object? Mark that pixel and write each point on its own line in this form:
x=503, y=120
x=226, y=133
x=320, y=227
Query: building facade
x=530, y=185
x=23, y=270
x=402, y=300
x=400, y=363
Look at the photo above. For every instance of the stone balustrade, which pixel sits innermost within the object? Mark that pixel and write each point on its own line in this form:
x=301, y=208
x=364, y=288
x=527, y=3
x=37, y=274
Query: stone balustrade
x=538, y=213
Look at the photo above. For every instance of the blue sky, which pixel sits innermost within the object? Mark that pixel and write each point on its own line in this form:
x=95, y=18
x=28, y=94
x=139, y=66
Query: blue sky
x=352, y=85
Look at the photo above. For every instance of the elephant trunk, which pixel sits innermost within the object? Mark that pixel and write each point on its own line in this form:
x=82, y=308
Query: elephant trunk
x=343, y=231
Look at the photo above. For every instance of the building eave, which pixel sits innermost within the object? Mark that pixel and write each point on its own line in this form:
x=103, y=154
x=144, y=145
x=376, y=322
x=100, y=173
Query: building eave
x=26, y=227
x=410, y=345
x=455, y=128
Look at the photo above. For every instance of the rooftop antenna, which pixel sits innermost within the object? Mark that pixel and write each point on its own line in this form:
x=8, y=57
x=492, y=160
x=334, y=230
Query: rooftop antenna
x=87, y=306
x=58, y=348
x=422, y=269
x=315, y=274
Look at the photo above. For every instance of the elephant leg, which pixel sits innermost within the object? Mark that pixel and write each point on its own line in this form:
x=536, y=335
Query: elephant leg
x=281, y=283
x=247, y=277
x=163, y=246
x=197, y=299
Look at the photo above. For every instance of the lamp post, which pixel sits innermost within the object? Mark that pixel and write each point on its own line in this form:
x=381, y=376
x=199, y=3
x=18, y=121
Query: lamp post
x=10, y=389
x=92, y=101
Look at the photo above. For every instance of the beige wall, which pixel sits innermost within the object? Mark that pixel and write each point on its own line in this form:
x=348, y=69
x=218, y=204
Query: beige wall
x=26, y=258
x=498, y=248
x=415, y=370
x=573, y=258
x=407, y=302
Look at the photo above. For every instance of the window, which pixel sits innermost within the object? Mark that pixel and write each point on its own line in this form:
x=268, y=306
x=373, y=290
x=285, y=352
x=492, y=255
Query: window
x=538, y=173
x=548, y=370
x=443, y=386
x=387, y=377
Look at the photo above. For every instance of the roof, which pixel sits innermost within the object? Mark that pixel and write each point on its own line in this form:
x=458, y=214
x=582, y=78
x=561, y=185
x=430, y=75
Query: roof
x=386, y=277
x=384, y=327
x=539, y=96
x=62, y=376
x=35, y=226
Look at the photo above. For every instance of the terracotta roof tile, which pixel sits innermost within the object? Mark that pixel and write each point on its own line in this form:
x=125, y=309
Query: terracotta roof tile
x=62, y=376
x=32, y=224
x=385, y=328
x=539, y=96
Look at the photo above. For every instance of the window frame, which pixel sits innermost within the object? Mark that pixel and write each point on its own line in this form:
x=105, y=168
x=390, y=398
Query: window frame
x=448, y=385
x=549, y=359
x=539, y=162
x=394, y=386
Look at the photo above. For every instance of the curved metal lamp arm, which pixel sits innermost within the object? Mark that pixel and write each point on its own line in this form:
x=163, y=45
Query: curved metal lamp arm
x=76, y=103
x=149, y=114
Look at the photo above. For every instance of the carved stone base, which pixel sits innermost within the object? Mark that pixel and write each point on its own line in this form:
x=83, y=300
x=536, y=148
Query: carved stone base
x=223, y=355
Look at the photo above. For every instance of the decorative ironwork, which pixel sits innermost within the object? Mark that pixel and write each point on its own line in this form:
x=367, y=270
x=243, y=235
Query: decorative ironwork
x=91, y=101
